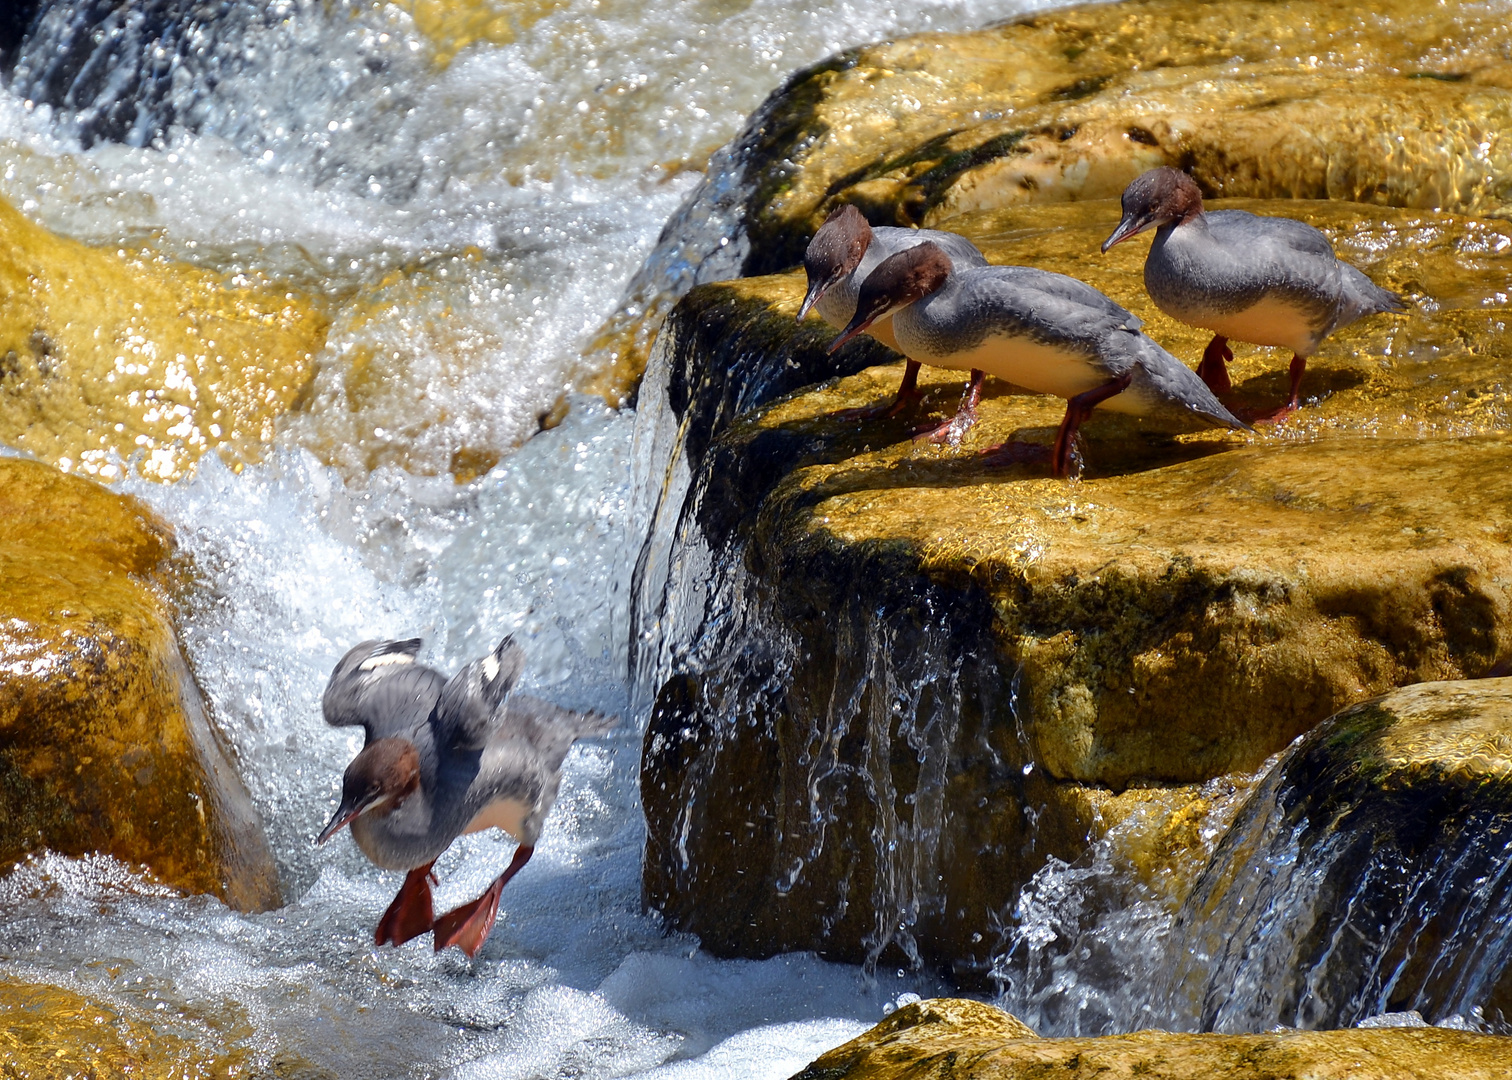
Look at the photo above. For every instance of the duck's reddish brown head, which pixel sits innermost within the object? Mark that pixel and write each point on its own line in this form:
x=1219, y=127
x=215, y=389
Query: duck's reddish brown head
x=910, y=275
x=834, y=253
x=1159, y=197
x=380, y=778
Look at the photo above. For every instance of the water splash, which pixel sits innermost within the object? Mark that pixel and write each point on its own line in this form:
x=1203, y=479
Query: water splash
x=1338, y=896
x=1319, y=900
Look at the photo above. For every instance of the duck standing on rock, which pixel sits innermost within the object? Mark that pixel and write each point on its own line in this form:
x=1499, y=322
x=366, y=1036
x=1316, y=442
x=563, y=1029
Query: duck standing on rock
x=1265, y=280
x=1039, y=330
x=444, y=757
x=842, y=254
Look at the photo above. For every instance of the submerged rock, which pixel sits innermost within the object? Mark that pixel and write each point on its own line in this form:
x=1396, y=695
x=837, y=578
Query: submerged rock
x=104, y=356
x=104, y=742
x=949, y=1039
x=904, y=678
x=453, y=25
x=1371, y=872
x=53, y=1032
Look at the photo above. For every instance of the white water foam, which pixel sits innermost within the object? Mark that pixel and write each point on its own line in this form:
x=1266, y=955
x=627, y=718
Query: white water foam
x=292, y=567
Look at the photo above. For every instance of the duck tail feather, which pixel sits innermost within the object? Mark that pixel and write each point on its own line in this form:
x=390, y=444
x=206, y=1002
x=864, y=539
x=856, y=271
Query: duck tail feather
x=1364, y=297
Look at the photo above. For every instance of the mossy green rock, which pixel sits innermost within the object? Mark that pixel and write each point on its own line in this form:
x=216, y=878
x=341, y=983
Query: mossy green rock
x=947, y=1039
x=104, y=742
x=1182, y=611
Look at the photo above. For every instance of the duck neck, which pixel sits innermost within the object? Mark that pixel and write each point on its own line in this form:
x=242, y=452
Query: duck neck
x=1192, y=225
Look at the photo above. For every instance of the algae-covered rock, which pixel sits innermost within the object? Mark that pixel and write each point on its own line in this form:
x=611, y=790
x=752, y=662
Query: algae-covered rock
x=949, y=1039
x=939, y=672
x=105, y=353
x=104, y=742
x=51, y=1032
x=1367, y=874
x=1256, y=99
x=1396, y=104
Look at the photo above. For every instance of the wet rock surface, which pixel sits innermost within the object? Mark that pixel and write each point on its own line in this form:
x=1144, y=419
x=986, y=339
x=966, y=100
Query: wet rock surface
x=104, y=742
x=953, y=1039
x=1255, y=99
x=943, y=668
x=52, y=1032
x=104, y=356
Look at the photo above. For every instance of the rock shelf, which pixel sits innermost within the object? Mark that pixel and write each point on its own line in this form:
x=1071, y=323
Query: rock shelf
x=1184, y=611
x=104, y=742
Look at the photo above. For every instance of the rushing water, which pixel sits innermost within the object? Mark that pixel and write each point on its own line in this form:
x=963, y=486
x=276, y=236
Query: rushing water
x=517, y=186
x=470, y=221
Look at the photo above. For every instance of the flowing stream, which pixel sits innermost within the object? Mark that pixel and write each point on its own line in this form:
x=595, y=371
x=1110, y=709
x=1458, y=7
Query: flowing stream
x=471, y=201
x=516, y=184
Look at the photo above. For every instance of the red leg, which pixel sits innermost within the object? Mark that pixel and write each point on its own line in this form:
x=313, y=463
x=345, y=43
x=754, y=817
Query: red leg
x=908, y=394
x=1077, y=410
x=468, y=926
x=1214, y=367
x=411, y=914
x=1292, y=403
x=951, y=430
x=1298, y=366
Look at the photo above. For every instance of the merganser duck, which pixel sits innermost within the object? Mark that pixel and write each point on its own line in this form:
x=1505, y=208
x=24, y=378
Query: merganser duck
x=842, y=254
x=1265, y=280
x=1039, y=330
x=444, y=758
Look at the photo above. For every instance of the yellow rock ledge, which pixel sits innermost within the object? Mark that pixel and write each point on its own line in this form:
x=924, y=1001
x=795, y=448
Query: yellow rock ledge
x=106, y=354
x=950, y=1039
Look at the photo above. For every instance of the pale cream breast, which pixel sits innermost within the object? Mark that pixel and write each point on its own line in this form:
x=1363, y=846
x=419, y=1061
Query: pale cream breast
x=506, y=814
x=1044, y=369
x=882, y=330
x=1273, y=321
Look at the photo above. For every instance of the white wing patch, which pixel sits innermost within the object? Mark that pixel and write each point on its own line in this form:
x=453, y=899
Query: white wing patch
x=490, y=667
x=384, y=659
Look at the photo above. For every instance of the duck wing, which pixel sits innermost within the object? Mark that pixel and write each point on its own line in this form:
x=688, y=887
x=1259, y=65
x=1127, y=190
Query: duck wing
x=379, y=687
x=1065, y=299
x=963, y=254
x=1239, y=230
x=1050, y=308
x=464, y=715
x=1175, y=390
x=1304, y=254
x=888, y=240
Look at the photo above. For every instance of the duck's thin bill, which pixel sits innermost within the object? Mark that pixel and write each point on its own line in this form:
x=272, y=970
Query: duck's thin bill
x=1126, y=228
x=810, y=298
x=343, y=817
x=850, y=331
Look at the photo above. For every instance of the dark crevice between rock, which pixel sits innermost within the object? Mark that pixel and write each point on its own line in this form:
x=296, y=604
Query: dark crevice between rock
x=16, y=18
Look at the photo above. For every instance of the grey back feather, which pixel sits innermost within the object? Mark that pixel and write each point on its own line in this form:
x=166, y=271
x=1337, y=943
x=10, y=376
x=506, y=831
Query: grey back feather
x=1244, y=231
x=1021, y=301
x=550, y=728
